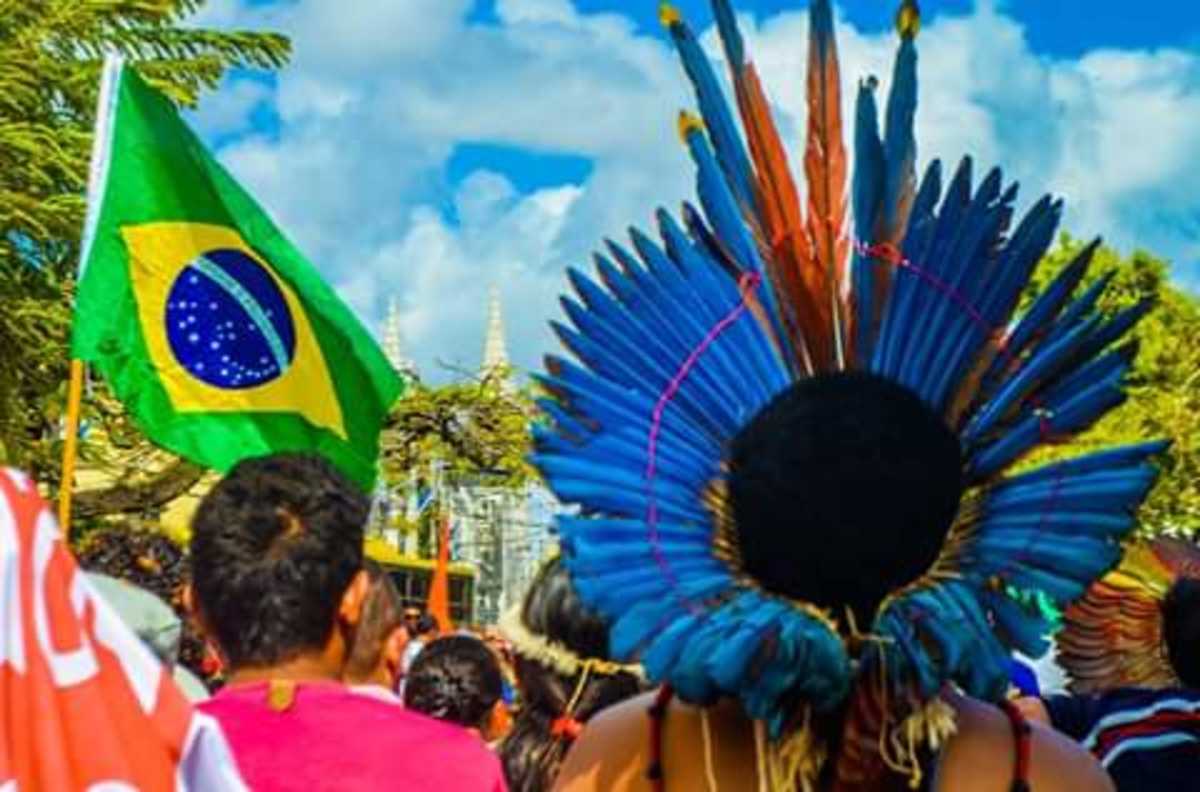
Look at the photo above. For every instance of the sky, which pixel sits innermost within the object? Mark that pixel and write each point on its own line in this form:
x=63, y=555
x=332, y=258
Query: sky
x=430, y=150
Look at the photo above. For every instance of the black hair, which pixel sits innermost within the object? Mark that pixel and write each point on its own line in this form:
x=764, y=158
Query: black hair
x=381, y=617
x=531, y=754
x=275, y=545
x=455, y=679
x=426, y=624
x=843, y=489
x=152, y=561
x=1181, y=630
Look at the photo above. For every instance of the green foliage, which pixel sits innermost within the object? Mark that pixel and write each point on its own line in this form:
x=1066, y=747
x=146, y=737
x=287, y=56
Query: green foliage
x=471, y=427
x=1164, y=385
x=51, y=53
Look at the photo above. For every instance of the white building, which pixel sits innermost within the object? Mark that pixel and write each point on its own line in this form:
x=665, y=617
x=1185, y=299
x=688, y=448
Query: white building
x=502, y=531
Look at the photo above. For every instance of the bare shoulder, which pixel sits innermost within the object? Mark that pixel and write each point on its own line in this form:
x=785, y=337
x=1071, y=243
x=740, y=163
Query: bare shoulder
x=612, y=753
x=982, y=756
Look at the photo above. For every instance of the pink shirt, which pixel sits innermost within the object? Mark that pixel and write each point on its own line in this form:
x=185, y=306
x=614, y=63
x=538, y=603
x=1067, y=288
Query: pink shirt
x=333, y=739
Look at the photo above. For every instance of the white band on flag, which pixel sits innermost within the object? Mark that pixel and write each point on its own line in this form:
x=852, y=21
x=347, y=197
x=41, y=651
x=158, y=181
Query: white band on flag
x=106, y=115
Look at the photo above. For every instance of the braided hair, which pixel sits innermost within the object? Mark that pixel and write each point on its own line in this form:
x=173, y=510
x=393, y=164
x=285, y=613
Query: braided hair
x=564, y=677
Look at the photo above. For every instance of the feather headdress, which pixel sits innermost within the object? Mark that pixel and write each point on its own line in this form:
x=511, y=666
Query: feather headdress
x=1113, y=636
x=680, y=342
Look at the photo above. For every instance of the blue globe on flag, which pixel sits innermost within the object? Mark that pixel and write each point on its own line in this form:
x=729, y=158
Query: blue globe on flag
x=228, y=323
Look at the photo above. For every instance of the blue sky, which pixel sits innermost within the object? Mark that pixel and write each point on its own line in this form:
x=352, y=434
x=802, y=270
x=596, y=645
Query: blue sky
x=425, y=150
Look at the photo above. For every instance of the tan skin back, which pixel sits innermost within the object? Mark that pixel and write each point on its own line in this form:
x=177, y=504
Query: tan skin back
x=613, y=753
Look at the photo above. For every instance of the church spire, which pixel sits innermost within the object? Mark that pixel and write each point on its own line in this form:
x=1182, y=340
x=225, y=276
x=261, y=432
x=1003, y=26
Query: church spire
x=495, y=351
x=392, y=342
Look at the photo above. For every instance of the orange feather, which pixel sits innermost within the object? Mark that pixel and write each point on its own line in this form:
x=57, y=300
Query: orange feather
x=825, y=170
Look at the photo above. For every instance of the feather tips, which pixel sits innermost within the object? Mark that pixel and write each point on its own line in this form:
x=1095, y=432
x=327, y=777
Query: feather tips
x=825, y=172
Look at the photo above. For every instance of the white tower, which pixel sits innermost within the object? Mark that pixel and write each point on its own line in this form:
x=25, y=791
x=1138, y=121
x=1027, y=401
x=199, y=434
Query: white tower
x=393, y=347
x=495, y=351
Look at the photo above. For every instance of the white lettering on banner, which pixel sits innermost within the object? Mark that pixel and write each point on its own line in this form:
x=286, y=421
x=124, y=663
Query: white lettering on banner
x=12, y=640
x=76, y=665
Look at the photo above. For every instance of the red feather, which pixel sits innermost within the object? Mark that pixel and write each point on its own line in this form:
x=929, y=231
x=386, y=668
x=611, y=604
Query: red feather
x=825, y=170
x=787, y=246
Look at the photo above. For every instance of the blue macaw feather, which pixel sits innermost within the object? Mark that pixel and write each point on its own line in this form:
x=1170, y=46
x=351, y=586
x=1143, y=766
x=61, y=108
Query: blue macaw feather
x=1018, y=259
x=1082, y=307
x=920, y=297
x=719, y=204
x=758, y=373
x=1114, y=328
x=721, y=211
x=867, y=187
x=898, y=311
x=1067, y=564
x=1060, y=521
x=704, y=239
x=900, y=145
x=1053, y=419
x=1118, y=458
x=627, y=529
x=661, y=654
x=722, y=130
x=604, y=403
x=1043, y=311
x=1096, y=492
x=1112, y=366
x=1027, y=380
x=731, y=37
x=694, y=315
x=949, y=321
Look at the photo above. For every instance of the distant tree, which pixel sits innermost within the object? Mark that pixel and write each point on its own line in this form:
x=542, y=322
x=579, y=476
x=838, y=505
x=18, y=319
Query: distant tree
x=1164, y=385
x=51, y=53
x=471, y=427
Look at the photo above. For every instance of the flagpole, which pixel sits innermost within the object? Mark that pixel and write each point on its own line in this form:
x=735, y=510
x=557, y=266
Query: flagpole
x=97, y=176
x=70, y=443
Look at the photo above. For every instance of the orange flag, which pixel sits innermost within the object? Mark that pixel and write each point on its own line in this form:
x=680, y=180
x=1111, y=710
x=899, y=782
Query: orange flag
x=439, y=588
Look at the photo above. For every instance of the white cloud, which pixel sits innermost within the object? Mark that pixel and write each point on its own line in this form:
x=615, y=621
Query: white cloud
x=229, y=110
x=375, y=102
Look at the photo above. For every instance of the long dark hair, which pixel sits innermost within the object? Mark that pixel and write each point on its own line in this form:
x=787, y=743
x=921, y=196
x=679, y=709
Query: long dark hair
x=555, y=702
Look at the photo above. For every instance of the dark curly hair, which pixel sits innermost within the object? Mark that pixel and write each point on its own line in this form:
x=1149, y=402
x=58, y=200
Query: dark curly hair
x=1181, y=628
x=531, y=753
x=455, y=679
x=152, y=561
x=274, y=547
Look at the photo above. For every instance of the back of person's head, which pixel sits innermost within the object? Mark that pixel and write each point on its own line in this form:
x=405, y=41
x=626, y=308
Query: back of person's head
x=843, y=488
x=558, y=694
x=427, y=626
x=275, y=546
x=454, y=679
x=375, y=644
x=1181, y=628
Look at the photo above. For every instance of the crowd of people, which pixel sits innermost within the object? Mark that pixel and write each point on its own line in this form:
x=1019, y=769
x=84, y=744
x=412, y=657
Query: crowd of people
x=323, y=688
x=804, y=538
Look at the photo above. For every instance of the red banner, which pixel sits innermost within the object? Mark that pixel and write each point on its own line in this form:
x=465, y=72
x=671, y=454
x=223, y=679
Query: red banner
x=83, y=704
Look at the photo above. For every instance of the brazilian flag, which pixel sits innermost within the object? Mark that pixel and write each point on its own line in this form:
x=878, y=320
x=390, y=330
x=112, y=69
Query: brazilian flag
x=220, y=338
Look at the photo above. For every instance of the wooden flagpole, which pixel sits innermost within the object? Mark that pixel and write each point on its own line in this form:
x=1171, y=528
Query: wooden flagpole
x=70, y=444
x=97, y=174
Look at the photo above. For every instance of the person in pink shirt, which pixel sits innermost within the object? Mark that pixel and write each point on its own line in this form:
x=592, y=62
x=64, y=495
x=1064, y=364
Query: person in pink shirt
x=278, y=584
